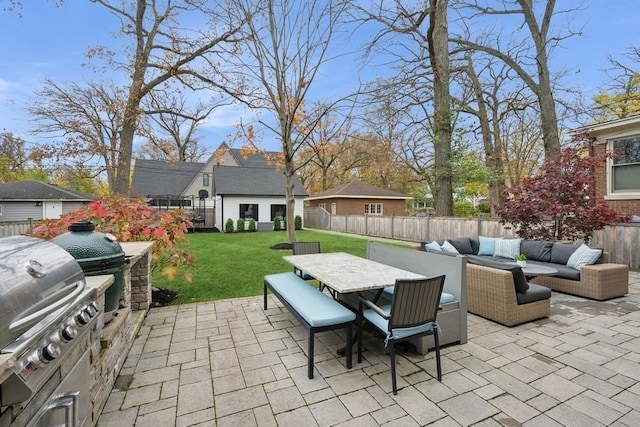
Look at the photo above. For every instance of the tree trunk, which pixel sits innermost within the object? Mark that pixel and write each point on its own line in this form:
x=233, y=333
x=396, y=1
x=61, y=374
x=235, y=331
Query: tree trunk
x=439, y=58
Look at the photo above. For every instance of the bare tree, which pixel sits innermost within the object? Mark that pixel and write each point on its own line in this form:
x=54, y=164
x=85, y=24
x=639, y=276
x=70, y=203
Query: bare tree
x=532, y=68
x=162, y=50
x=170, y=126
x=88, y=119
x=288, y=43
x=620, y=97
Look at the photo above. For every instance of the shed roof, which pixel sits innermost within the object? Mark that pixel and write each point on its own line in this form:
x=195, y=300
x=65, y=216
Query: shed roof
x=40, y=191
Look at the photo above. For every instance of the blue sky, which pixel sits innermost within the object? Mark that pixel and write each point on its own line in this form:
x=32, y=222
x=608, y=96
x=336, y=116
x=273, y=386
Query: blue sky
x=51, y=42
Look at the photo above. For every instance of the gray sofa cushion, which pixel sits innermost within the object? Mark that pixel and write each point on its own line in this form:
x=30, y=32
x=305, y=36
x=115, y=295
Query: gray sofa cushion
x=462, y=244
x=534, y=293
x=560, y=252
x=536, y=250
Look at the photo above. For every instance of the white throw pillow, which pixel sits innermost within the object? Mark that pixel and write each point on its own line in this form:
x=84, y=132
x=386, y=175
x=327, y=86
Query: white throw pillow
x=507, y=248
x=449, y=248
x=584, y=255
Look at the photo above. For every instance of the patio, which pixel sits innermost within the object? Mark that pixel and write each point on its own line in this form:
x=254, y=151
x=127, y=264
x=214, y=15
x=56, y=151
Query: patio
x=229, y=363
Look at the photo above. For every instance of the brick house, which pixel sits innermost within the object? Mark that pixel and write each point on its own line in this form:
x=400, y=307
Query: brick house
x=358, y=198
x=618, y=182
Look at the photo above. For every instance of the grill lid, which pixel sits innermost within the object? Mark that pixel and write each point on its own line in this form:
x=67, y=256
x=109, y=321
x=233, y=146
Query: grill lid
x=38, y=278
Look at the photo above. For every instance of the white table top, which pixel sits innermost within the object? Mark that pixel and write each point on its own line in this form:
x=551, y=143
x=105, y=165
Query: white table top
x=349, y=273
x=538, y=270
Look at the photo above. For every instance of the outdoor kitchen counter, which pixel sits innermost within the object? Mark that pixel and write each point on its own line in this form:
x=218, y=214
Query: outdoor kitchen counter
x=99, y=283
x=6, y=366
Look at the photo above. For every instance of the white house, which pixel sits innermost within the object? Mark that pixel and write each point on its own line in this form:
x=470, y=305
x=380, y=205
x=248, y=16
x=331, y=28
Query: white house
x=232, y=184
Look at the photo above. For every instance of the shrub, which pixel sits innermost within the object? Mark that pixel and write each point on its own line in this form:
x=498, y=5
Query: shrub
x=252, y=224
x=132, y=220
x=298, y=222
x=560, y=203
x=276, y=223
x=240, y=226
x=228, y=226
x=464, y=209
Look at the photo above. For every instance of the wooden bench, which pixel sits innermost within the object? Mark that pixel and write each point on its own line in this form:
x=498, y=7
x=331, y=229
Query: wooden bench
x=316, y=311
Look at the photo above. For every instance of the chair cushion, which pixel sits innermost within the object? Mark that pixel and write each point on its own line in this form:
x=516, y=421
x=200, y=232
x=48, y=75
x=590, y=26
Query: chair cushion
x=382, y=325
x=507, y=248
x=534, y=293
x=584, y=255
x=536, y=250
x=561, y=252
x=487, y=246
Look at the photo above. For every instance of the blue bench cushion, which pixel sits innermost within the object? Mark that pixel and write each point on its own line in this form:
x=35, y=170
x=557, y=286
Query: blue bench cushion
x=315, y=307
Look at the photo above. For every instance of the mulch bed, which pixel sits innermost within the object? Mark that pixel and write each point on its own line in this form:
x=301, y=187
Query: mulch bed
x=161, y=297
x=282, y=246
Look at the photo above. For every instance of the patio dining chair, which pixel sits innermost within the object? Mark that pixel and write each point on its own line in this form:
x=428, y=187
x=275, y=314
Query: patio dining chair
x=412, y=313
x=305, y=248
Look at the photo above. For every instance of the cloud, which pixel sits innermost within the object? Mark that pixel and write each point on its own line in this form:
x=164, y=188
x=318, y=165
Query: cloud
x=227, y=117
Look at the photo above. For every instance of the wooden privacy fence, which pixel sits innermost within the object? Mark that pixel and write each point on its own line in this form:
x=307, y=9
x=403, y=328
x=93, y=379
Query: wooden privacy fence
x=621, y=240
x=14, y=228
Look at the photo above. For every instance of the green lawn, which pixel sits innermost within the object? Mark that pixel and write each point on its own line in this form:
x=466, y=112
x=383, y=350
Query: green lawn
x=233, y=265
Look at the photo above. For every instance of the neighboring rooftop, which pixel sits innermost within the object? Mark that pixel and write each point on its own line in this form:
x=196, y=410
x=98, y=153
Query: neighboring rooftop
x=357, y=189
x=38, y=191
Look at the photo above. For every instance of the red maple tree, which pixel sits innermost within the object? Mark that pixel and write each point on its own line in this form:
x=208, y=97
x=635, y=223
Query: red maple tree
x=560, y=203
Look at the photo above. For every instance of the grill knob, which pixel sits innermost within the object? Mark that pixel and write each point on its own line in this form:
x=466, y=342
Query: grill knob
x=68, y=333
x=91, y=310
x=83, y=318
x=49, y=352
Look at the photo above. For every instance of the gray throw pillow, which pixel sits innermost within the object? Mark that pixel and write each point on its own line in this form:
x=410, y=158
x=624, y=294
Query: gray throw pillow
x=561, y=252
x=462, y=244
x=536, y=250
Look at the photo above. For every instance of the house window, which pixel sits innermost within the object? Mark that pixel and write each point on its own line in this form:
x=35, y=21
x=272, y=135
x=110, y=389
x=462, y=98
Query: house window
x=373, y=208
x=0, y=209
x=205, y=180
x=249, y=211
x=322, y=206
x=625, y=167
x=278, y=210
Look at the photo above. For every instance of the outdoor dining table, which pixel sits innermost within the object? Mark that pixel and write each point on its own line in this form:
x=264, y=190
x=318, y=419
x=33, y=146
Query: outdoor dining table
x=345, y=273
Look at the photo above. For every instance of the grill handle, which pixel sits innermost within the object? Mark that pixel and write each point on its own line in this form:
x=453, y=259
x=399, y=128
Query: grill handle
x=55, y=305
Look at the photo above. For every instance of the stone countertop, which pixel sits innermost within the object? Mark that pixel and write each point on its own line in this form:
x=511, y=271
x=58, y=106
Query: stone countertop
x=135, y=250
x=99, y=283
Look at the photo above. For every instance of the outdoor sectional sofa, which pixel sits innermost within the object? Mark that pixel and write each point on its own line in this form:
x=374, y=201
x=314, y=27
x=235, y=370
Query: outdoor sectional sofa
x=601, y=280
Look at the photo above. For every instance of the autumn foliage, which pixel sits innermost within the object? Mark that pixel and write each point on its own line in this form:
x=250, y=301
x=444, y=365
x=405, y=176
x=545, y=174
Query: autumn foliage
x=133, y=220
x=560, y=203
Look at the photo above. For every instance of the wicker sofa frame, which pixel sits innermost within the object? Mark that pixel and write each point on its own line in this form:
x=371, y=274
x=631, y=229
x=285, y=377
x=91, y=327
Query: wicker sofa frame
x=600, y=281
x=491, y=294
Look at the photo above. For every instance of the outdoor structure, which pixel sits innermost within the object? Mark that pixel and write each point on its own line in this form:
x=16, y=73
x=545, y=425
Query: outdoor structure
x=23, y=200
x=231, y=184
x=358, y=198
x=619, y=181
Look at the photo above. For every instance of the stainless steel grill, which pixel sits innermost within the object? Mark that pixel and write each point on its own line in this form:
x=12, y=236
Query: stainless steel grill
x=46, y=319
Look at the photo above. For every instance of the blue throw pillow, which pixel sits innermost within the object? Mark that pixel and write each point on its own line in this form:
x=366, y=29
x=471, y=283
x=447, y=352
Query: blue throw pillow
x=487, y=245
x=584, y=255
x=432, y=246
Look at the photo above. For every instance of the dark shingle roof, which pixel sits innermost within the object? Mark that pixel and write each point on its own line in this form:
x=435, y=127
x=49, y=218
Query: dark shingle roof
x=357, y=189
x=36, y=190
x=254, y=160
x=157, y=177
x=233, y=180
